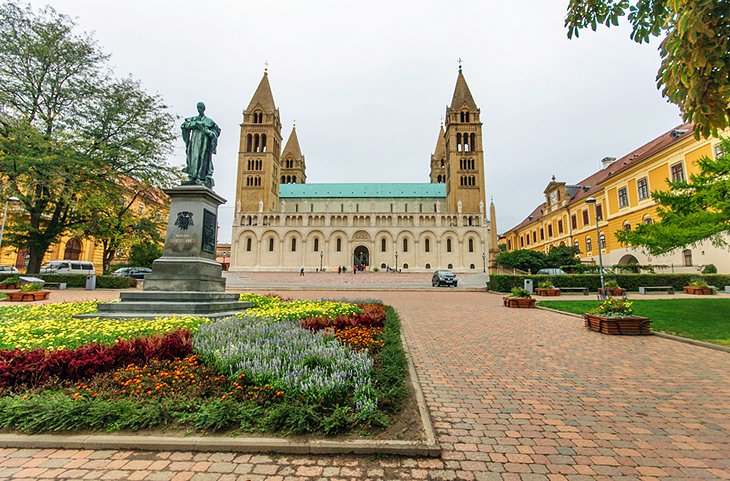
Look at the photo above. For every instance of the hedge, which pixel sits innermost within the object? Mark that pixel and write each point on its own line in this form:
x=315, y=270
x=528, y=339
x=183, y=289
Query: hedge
x=79, y=280
x=632, y=282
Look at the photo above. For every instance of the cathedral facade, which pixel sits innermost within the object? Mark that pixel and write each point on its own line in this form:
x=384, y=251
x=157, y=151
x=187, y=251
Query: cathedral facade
x=282, y=222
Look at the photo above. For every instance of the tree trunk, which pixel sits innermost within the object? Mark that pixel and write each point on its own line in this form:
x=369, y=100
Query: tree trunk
x=37, y=253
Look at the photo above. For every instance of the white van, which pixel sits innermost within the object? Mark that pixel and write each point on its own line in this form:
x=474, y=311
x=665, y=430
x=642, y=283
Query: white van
x=68, y=267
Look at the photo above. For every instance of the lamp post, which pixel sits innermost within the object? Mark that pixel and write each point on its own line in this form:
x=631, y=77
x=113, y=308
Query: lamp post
x=484, y=262
x=5, y=214
x=321, y=258
x=396, y=261
x=592, y=200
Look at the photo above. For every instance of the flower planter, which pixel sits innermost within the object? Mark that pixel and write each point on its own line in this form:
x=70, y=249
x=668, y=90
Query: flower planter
x=12, y=285
x=620, y=292
x=628, y=326
x=519, y=302
x=700, y=291
x=542, y=291
x=20, y=296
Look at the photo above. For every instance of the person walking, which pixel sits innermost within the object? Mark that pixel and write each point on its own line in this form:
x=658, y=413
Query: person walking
x=301, y=271
x=354, y=269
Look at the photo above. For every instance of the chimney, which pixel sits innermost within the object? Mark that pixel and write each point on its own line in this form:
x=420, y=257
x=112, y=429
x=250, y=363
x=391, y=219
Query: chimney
x=606, y=161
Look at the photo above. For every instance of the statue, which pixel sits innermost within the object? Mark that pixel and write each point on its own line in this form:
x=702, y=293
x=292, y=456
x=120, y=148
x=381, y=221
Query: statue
x=261, y=206
x=458, y=206
x=201, y=142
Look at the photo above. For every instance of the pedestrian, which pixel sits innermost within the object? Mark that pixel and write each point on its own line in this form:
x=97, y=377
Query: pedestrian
x=301, y=271
x=354, y=269
x=339, y=269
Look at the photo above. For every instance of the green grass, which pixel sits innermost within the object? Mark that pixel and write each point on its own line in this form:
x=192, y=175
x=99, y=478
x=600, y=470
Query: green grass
x=702, y=319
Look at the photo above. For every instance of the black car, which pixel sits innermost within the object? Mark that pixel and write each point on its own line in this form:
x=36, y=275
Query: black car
x=444, y=278
x=134, y=272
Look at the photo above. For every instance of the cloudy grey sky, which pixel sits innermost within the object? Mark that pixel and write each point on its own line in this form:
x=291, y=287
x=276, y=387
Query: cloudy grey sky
x=367, y=83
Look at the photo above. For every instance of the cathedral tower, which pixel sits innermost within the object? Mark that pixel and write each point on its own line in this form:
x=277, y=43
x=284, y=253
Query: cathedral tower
x=259, y=152
x=464, y=152
x=293, y=168
x=438, y=159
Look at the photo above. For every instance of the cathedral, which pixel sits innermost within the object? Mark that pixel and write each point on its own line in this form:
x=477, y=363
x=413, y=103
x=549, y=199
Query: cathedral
x=283, y=223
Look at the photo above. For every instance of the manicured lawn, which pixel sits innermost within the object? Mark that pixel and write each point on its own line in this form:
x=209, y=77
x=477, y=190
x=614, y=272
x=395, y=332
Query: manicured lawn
x=701, y=319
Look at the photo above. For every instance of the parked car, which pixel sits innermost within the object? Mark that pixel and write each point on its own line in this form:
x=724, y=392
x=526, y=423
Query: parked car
x=551, y=271
x=444, y=278
x=134, y=272
x=9, y=270
x=68, y=267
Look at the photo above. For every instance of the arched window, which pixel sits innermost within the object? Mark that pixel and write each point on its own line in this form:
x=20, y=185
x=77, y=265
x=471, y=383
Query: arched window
x=589, y=247
x=627, y=227
x=405, y=266
x=316, y=244
x=294, y=244
x=448, y=245
x=473, y=142
x=471, y=244
x=450, y=266
x=442, y=162
x=576, y=244
x=339, y=245
x=471, y=266
x=271, y=244
x=427, y=245
x=687, y=255
x=405, y=245
x=461, y=117
x=602, y=241
x=73, y=250
x=263, y=142
x=294, y=179
x=458, y=141
x=428, y=266
x=256, y=140
x=249, y=243
x=249, y=142
x=383, y=245
x=466, y=115
x=648, y=220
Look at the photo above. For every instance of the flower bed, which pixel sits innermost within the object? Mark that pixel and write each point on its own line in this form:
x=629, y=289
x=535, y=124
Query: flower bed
x=283, y=366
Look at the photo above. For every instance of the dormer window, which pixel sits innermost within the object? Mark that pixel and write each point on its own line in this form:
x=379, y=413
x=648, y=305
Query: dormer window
x=258, y=117
x=464, y=116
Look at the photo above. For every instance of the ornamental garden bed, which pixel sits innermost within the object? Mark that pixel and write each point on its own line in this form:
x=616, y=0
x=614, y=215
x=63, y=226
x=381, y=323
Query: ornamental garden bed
x=519, y=302
x=20, y=296
x=698, y=290
x=631, y=326
x=283, y=366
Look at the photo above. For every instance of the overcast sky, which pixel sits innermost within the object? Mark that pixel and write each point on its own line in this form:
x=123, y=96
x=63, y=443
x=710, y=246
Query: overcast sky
x=368, y=82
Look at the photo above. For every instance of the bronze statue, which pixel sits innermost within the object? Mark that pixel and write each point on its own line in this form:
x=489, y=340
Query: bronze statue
x=201, y=142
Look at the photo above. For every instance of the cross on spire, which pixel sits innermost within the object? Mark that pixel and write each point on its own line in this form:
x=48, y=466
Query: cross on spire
x=266, y=66
x=459, y=62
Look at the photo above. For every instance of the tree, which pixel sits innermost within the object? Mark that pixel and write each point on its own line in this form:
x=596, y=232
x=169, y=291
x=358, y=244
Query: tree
x=695, y=68
x=690, y=211
x=562, y=256
x=69, y=135
x=144, y=254
x=522, y=259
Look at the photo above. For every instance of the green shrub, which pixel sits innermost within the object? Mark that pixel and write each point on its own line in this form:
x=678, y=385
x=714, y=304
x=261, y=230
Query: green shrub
x=113, y=282
x=79, y=280
x=614, y=308
x=545, y=285
x=630, y=282
x=612, y=284
x=709, y=269
x=520, y=292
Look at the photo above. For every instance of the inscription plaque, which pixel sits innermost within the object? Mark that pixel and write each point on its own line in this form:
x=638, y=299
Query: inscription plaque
x=209, y=227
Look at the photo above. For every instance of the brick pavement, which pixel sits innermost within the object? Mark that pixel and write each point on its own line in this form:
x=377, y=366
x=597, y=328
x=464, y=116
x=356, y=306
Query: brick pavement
x=515, y=395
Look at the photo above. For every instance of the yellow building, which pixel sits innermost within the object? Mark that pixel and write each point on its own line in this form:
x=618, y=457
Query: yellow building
x=622, y=190
x=71, y=247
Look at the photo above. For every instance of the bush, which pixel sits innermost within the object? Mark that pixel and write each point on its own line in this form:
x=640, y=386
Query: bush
x=630, y=282
x=709, y=269
x=79, y=280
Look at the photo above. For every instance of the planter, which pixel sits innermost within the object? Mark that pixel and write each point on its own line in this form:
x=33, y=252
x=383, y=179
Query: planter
x=542, y=291
x=519, y=302
x=627, y=326
x=9, y=286
x=620, y=292
x=699, y=291
x=20, y=296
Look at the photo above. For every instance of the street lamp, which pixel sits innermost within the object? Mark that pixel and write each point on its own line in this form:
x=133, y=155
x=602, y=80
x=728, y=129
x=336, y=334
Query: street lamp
x=5, y=214
x=396, y=261
x=592, y=200
x=484, y=262
x=321, y=258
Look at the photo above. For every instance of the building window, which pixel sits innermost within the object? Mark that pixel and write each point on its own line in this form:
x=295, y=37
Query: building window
x=627, y=227
x=648, y=220
x=585, y=217
x=560, y=226
x=550, y=230
x=542, y=234
x=316, y=244
x=339, y=244
x=602, y=241
x=534, y=237
x=599, y=211
x=427, y=246
x=573, y=222
x=687, y=255
x=448, y=245
x=643, y=188
x=248, y=244
x=271, y=244
x=576, y=244
x=294, y=245
x=623, y=197
x=527, y=237
x=677, y=172
x=382, y=245
x=405, y=245
x=509, y=244
x=588, y=244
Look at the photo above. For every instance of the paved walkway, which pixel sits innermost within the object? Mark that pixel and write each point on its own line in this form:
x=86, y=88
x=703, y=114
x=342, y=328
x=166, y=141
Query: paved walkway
x=515, y=395
x=361, y=280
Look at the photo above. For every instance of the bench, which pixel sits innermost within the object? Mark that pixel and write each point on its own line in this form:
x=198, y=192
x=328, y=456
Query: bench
x=54, y=285
x=668, y=289
x=584, y=290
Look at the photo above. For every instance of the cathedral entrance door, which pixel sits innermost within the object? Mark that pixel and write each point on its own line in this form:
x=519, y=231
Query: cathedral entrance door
x=361, y=256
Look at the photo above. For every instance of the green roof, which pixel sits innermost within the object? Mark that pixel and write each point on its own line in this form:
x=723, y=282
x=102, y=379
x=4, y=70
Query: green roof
x=368, y=191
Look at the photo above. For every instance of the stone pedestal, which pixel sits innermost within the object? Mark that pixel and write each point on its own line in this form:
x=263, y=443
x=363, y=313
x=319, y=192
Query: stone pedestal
x=186, y=280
